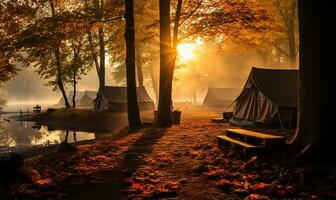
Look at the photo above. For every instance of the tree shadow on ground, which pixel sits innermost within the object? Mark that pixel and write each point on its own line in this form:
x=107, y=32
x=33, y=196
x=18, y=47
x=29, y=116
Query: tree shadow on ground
x=114, y=182
x=135, y=156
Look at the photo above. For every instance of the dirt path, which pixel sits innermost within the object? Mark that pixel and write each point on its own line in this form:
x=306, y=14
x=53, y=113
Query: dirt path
x=157, y=158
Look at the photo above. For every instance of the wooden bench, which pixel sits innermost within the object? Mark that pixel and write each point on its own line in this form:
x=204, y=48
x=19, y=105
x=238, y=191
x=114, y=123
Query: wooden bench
x=256, y=138
x=251, y=140
x=224, y=140
x=218, y=120
x=37, y=109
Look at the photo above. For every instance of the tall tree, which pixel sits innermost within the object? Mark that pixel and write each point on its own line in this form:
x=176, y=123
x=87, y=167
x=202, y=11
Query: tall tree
x=214, y=18
x=316, y=131
x=134, y=121
x=166, y=70
x=99, y=12
x=78, y=64
x=288, y=15
x=14, y=16
x=59, y=79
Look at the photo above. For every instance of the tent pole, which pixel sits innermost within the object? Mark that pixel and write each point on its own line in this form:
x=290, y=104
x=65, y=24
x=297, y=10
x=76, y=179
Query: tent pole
x=290, y=119
x=229, y=106
x=280, y=118
x=234, y=101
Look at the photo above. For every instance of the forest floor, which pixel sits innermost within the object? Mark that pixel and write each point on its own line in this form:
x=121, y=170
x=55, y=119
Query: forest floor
x=181, y=162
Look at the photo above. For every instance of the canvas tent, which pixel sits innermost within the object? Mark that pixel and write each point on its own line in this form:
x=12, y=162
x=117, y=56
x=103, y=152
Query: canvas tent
x=88, y=98
x=269, y=95
x=115, y=99
x=220, y=97
x=79, y=94
x=83, y=98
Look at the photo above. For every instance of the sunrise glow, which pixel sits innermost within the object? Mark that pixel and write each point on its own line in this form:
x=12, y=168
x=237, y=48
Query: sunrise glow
x=186, y=51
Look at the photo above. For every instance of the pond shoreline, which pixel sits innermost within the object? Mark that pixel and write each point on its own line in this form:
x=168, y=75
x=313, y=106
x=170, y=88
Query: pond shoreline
x=81, y=120
x=29, y=151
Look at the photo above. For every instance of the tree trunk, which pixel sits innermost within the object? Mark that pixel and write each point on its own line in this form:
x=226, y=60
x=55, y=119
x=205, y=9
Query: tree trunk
x=155, y=82
x=94, y=55
x=59, y=72
x=74, y=89
x=139, y=69
x=316, y=131
x=91, y=44
x=74, y=74
x=134, y=121
x=99, y=12
x=165, y=91
x=194, y=96
x=102, y=57
x=66, y=136
x=60, y=83
x=291, y=33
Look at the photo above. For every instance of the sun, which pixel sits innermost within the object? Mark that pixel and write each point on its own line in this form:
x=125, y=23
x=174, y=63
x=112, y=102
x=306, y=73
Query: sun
x=186, y=51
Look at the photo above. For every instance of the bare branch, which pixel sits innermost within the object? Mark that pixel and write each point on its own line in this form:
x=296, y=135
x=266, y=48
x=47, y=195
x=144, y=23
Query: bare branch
x=176, y=23
x=107, y=20
x=207, y=27
x=281, y=50
x=277, y=5
x=190, y=14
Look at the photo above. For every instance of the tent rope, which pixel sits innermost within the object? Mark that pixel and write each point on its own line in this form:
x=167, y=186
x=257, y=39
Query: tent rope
x=290, y=118
x=280, y=118
x=230, y=105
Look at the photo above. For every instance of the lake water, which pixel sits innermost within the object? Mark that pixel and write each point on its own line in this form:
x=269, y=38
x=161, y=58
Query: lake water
x=27, y=134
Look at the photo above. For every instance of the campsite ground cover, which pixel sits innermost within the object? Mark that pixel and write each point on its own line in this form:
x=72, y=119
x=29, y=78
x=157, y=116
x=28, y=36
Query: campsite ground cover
x=181, y=162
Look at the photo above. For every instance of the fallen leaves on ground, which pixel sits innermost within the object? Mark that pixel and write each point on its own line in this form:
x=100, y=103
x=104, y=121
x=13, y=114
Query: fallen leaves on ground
x=187, y=155
x=147, y=188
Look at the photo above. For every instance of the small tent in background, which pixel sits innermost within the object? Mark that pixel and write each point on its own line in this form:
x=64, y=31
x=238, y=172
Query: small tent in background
x=220, y=97
x=79, y=95
x=269, y=95
x=83, y=98
x=115, y=99
x=88, y=98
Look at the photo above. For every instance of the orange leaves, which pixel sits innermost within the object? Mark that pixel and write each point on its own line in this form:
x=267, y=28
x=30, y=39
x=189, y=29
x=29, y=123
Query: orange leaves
x=227, y=184
x=44, y=181
x=259, y=186
x=99, y=158
x=215, y=172
x=249, y=162
x=162, y=159
x=169, y=188
x=144, y=188
x=256, y=197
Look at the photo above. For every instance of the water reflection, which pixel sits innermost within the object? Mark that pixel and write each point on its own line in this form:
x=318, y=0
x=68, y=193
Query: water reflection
x=15, y=133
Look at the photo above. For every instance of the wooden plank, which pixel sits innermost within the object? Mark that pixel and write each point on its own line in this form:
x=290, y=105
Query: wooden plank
x=219, y=120
x=240, y=143
x=253, y=134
